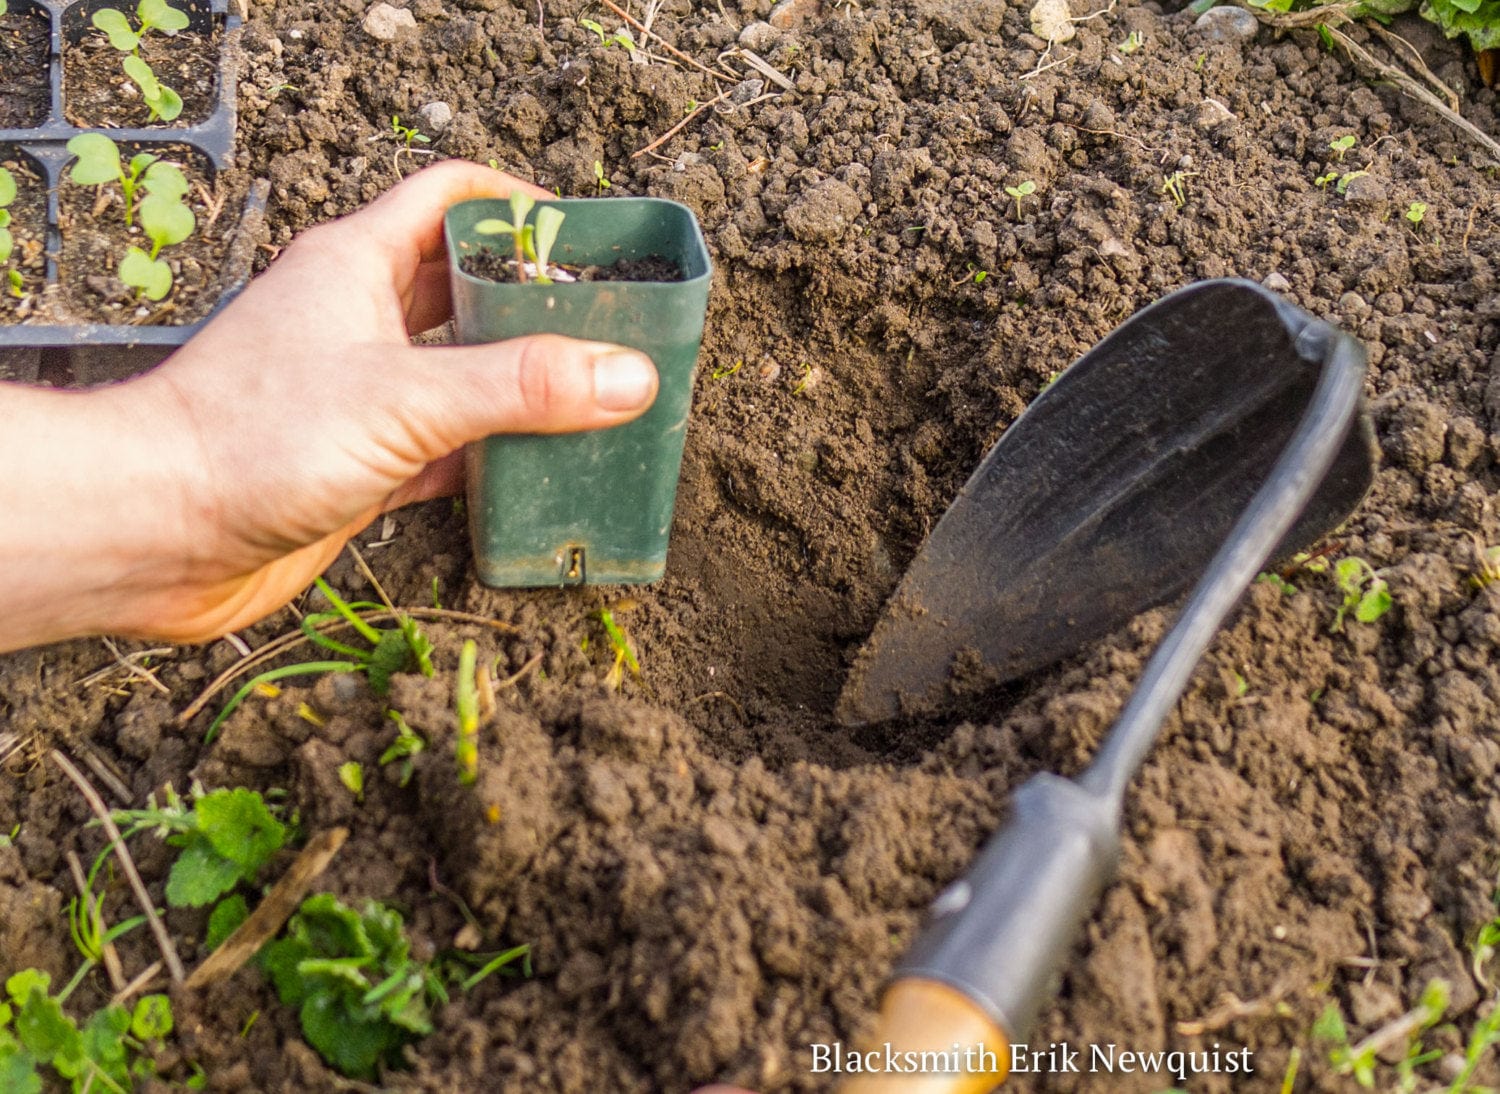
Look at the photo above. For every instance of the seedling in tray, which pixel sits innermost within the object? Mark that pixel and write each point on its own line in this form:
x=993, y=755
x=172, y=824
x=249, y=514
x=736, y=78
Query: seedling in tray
x=165, y=218
x=532, y=241
x=7, y=195
x=163, y=102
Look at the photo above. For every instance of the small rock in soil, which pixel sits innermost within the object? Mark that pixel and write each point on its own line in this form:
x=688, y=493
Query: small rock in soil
x=1227, y=24
x=791, y=14
x=384, y=22
x=1273, y=280
x=436, y=117
x=1214, y=117
x=759, y=37
x=1365, y=190
x=1416, y=435
x=1052, y=21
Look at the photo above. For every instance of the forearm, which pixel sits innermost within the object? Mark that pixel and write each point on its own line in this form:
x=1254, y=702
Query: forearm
x=90, y=508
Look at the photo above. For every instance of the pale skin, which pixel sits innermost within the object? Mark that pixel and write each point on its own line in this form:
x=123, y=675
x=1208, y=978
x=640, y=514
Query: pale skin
x=205, y=495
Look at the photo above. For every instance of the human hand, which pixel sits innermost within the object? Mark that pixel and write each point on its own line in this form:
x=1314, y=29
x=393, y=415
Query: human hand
x=232, y=475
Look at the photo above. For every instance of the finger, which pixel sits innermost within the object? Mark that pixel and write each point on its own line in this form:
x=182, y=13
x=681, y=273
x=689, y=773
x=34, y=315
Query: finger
x=450, y=395
x=440, y=479
x=408, y=219
x=430, y=302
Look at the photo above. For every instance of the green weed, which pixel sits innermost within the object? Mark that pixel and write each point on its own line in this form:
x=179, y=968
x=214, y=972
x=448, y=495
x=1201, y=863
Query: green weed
x=1021, y=193
x=466, y=699
x=1366, y=594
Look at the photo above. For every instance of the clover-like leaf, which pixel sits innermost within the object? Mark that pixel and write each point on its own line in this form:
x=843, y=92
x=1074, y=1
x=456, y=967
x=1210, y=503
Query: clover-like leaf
x=152, y=1019
x=166, y=220
x=117, y=26
x=98, y=159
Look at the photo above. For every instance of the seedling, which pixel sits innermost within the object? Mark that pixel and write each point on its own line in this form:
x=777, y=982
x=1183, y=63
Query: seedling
x=601, y=183
x=620, y=38
x=624, y=655
x=1342, y=145
x=1360, y=1060
x=1322, y=181
x=1365, y=593
x=225, y=838
x=1133, y=41
x=7, y=195
x=406, y=745
x=403, y=648
x=153, y=15
x=166, y=220
x=1021, y=193
x=87, y=929
x=358, y=992
x=532, y=241
x=164, y=103
x=408, y=134
x=98, y=163
x=36, y=1034
x=466, y=701
x=1415, y=212
x=352, y=775
x=1175, y=186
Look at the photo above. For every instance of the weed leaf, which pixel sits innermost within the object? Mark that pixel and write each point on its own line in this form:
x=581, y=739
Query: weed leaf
x=17, y=1072
x=224, y=920
x=152, y=1019
x=199, y=876
x=240, y=827
x=7, y=187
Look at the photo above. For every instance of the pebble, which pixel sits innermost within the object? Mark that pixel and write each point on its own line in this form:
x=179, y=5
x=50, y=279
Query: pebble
x=1274, y=281
x=436, y=117
x=1365, y=190
x=1228, y=24
x=759, y=37
x=1214, y=117
x=384, y=22
x=791, y=14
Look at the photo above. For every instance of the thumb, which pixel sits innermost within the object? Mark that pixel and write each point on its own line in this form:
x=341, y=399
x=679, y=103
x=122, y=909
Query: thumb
x=450, y=395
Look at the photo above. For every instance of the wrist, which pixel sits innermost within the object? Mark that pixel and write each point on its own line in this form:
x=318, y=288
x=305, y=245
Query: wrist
x=95, y=490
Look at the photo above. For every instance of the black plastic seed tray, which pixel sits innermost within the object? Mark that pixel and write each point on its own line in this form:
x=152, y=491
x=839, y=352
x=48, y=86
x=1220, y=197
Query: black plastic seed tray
x=92, y=352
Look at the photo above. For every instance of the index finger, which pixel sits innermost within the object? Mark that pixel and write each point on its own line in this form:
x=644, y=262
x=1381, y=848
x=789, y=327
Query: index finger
x=407, y=221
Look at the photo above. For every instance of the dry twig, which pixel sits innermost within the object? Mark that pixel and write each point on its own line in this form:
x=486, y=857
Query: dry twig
x=673, y=50
x=670, y=133
x=272, y=912
x=127, y=864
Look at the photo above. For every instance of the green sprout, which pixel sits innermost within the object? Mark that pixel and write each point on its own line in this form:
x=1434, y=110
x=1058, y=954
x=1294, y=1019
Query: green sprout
x=620, y=38
x=601, y=183
x=1175, y=186
x=1133, y=41
x=407, y=744
x=153, y=14
x=408, y=133
x=1415, y=212
x=352, y=775
x=7, y=195
x=589, y=24
x=1365, y=593
x=624, y=655
x=164, y=103
x=98, y=163
x=534, y=242
x=87, y=929
x=466, y=700
x=1342, y=145
x=166, y=220
x=1020, y=193
x=1322, y=181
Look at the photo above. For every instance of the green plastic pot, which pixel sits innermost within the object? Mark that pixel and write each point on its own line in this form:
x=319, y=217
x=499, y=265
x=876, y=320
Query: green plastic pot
x=592, y=507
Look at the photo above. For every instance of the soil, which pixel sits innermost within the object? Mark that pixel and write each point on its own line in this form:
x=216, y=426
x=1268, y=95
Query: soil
x=96, y=91
x=24, y=33
x=95, y=238
x=28, y=229
x=493, y=265
x=711, y=874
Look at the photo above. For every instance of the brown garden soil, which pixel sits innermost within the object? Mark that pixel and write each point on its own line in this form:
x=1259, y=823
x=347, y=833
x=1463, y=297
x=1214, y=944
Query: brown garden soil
x=96, y=91
x=24, y=30
x=95, y=238
x=712, y=875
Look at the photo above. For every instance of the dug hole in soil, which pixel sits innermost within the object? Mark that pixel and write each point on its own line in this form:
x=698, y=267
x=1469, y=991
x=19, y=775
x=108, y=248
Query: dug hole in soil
x=711, y=874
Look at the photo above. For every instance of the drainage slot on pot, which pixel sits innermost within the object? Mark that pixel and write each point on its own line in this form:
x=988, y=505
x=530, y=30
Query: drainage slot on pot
x=574, y=572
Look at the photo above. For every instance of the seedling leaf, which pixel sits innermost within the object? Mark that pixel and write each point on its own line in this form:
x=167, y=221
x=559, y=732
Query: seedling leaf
x=98, y=159
x=7, y=245
x=159, y=15
x=164, y=180
x=166, y=220
x=139, y=71
x=167, y=105
x=152, y=277
x=7, y=187
x=117, y=26
x=225, y=919
x=548, y=223
x=239, y=827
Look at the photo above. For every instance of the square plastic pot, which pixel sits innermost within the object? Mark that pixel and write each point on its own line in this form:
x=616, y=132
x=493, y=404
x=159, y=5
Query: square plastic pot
x=592, y=507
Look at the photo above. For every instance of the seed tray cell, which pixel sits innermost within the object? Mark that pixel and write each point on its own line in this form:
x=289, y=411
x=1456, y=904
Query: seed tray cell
x=93, y=352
